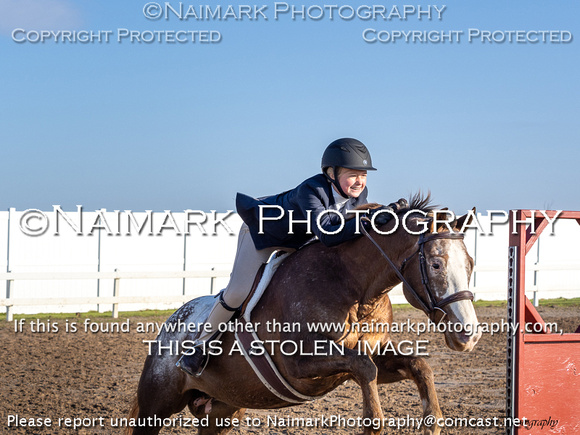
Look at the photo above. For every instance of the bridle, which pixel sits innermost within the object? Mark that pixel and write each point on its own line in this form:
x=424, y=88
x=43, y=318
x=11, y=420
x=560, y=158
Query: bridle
x=431, y=306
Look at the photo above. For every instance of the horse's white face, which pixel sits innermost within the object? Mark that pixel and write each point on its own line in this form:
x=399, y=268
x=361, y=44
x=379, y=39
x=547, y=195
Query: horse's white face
x=449, y=267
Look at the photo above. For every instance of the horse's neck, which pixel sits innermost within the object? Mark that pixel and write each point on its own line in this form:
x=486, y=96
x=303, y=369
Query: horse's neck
x=374, y=274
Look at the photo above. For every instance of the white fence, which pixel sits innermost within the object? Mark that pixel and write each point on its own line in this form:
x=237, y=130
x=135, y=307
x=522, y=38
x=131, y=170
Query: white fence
x=100, y=260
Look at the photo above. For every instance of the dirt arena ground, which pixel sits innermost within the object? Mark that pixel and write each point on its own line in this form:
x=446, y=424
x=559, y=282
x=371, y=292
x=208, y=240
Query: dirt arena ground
x=92, y=376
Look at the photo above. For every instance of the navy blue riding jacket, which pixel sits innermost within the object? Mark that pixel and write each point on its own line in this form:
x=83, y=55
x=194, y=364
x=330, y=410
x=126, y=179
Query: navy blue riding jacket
x=313, y=194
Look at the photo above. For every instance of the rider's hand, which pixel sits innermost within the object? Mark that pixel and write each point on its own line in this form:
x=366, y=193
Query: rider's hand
x=399, y=205
x=387, y=211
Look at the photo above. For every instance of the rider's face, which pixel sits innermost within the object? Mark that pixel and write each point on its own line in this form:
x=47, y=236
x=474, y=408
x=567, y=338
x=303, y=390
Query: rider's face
x=352, y=181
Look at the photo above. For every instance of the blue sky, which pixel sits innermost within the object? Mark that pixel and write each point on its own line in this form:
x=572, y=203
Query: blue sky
x=186, y=126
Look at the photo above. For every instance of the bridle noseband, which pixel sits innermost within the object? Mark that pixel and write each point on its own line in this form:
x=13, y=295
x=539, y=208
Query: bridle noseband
x=432, y=305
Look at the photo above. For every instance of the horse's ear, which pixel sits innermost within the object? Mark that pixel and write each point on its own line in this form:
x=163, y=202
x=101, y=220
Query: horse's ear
x=464, y=221
x=441, y=223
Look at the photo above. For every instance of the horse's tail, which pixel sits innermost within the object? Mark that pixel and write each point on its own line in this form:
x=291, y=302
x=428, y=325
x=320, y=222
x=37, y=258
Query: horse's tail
x=133, y=413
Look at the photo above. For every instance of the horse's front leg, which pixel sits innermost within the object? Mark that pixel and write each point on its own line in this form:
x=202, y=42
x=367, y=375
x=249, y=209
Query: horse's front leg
x=395, y=368
x=361, y=367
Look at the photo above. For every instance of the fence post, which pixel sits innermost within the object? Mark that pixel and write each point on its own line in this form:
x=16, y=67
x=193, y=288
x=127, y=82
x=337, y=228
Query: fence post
x=184, y=259
x=9, y=283
x=116, y=283
x=9, y=308
x=99, y=264
x=536, y=300
x=475, y=258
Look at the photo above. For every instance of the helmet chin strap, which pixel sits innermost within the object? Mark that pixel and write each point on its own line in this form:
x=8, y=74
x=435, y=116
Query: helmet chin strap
x=335, y=183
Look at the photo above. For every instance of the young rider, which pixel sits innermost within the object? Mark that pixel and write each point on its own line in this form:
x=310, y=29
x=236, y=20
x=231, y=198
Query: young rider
x=341, y=186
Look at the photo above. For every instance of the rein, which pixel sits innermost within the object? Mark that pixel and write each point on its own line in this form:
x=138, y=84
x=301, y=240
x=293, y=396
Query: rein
x=432, y=304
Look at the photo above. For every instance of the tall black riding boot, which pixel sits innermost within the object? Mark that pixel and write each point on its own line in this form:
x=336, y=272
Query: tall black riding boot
x=193, y=364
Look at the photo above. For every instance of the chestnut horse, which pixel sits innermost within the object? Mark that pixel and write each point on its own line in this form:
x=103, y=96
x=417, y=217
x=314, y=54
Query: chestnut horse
x=345, y=285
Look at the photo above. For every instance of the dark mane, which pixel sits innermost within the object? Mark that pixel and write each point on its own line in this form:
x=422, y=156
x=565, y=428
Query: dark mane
x=420, y=201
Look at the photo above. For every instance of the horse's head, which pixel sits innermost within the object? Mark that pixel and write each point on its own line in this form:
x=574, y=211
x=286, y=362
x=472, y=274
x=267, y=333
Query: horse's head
x=435, y=269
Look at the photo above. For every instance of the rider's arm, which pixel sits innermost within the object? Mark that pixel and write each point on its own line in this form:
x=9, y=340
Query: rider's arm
x=325, y=224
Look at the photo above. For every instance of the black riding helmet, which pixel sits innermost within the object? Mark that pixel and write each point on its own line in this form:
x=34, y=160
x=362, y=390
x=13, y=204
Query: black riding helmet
x=346, y=153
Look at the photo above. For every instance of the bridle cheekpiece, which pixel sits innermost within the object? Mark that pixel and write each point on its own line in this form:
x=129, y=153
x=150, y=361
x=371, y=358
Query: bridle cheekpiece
x=432, y=305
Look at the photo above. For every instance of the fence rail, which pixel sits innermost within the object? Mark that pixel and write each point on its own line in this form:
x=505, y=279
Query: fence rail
x=9, y=302
x=10, y=277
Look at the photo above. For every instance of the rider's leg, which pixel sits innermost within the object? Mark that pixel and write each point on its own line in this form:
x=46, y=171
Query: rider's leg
x=246, y=264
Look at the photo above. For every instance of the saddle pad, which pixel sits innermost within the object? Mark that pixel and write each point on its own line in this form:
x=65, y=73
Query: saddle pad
x=269, y=270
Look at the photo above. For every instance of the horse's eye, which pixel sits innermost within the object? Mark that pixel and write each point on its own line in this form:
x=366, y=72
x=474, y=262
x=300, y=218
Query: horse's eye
x=436, y=265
